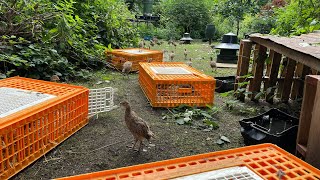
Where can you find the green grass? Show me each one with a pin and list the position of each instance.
(200, 53)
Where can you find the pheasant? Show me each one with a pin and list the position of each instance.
(137, 126)
(126, 68)
(213, 64)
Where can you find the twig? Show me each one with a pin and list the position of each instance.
(96, 149)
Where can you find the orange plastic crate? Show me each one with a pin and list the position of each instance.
(27, 134)
(265, 160)
(170, 84)
(120, 56)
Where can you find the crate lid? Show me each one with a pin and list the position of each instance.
(233, 173)
(14, 100)
(173, 71)
(170, 70)
(136, 51)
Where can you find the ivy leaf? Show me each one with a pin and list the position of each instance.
(206, 115)
(180, 121)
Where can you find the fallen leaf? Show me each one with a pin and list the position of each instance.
(220, 142)
(180, 121)
(225, 139)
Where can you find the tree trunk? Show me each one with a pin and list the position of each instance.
(238, 26)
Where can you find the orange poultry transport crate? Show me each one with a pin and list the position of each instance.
(134, 55)
(170, 84)
(264, 161)
(35, 116)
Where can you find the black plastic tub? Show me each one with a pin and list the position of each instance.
(273, 126)
(224, 84)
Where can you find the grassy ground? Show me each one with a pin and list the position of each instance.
(101, 144)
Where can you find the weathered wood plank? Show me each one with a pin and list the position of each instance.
(272, 72)
(243, 65)
(282, 74)
(306, 112)
(297, 82)
(313, 146)
(306, 71)
(259, 60)
(303, 58)
(288, 80)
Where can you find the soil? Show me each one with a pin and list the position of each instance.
(102, 144)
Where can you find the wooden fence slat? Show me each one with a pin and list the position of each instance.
(275, 59)
(282, 73)
(297, 82)
(288, 80)
(306, 71)
(259, 59)
(243, 65)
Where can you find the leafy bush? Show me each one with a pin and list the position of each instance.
(64, 37)
(297, 18)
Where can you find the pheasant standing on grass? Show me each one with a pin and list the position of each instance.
(185, 53)
(171, 55)
(213, 64)
(189, 63)
(126, 68)
(174, 44)
(137, 126)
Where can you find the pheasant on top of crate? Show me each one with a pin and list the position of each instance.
(134, 55)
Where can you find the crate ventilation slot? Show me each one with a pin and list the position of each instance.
(14, 100)
(234, 173)
(170, 70)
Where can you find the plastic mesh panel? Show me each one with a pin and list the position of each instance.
(14, 100)
(100, 100)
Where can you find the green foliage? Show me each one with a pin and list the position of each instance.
(190, 115)
(40, 38)
(187, 15)
(299, 17)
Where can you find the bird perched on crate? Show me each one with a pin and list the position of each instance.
(185, 53)
(171, 55)
(189, 63)
(126, 68)
(213, 64)
(137, 126)
(54, 78)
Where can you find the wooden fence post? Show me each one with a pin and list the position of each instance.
(259, 59)
(287, 83)
(272, 74)
(243, 65)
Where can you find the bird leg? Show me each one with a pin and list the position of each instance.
(133, 144)
(141, 146)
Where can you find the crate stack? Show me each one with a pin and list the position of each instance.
(35, 116)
